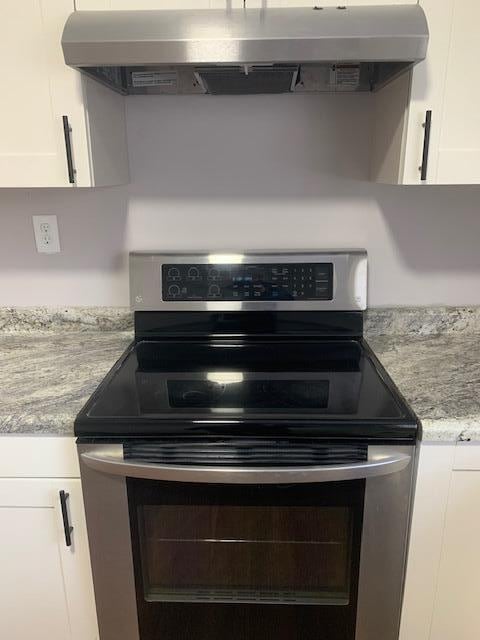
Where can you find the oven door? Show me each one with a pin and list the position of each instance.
(297, 553)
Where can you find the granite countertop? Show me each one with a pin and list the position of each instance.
(439, 375)
(45, 379)
(53, 361)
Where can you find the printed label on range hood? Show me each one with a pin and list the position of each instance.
(154, 79)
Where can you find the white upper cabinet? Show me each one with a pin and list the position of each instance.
(445, 86)
(59, 129)
(38, 90)
(126, 5)
(359, 3)
(459, 118)
(304, 3)
(31, 136)
(220, 4)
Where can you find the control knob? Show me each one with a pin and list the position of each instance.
(193, 273)
(213, 274)
(173, 273)
(213, 290)
(173, 290)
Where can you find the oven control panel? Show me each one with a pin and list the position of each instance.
(276, 281)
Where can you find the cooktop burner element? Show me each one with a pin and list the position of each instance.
(257, 368)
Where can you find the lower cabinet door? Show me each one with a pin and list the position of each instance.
(46, 590)
(456, 614)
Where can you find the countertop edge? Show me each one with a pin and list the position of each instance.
(433, 430)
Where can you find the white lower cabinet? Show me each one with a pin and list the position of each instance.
(46, 589)
(442, 592)
(456, 614)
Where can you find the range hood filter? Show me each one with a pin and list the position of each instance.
(248, 79)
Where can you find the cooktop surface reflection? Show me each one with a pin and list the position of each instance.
(244, 381)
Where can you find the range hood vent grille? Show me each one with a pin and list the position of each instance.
(253, 79)
(246, 51)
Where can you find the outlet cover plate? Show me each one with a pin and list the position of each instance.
(46, 234)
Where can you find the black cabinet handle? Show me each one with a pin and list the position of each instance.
(427, 125)
(66, 523)
(67, 129)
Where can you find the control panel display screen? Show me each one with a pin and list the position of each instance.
(235, 282)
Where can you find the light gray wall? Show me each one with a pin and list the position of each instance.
(245, 173)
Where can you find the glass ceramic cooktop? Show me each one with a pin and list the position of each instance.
(246, 379)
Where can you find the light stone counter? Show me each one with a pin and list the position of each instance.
(52, 360)
(439, 375)
(46, 378)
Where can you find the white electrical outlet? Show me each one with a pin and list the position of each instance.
(46, 234)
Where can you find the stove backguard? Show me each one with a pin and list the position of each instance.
(256, 281)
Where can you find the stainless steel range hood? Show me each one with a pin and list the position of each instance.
(246, 51)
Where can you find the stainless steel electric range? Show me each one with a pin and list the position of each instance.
(247, 465)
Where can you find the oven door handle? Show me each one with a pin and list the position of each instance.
(114, 464)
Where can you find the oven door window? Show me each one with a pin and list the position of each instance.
(292, 551)
(246, 554)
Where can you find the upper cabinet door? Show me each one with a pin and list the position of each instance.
(126, 5)
(459, 120)
(56, 130)
(255, 4)
(427, 94)
(304, 3)
(92, 5)
(32, 145)
(357, 3)
(445, 86)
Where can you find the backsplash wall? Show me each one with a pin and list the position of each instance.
(253, 172)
